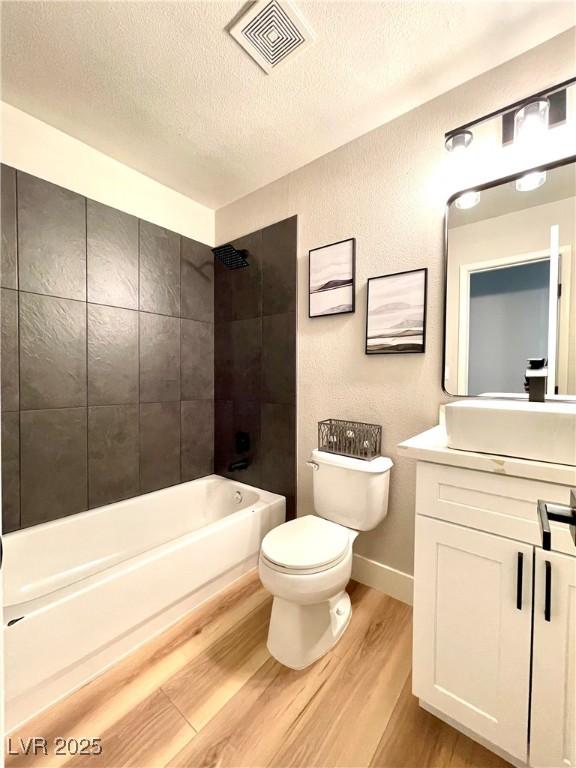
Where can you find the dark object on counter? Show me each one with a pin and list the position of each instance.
(536, 378)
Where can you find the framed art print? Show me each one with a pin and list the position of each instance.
(332, 279)
(396, 313)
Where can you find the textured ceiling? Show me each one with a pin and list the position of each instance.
(163, 88)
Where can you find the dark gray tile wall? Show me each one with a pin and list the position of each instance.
(159, 358)
(197, 294)
(51, 239)
(197, 429)
(107, 354)
(159, 270)
(197, 344)
(112, 355)
(10, 471)
(113, 453)
(9, 262)
(255, 361)
(159, 445)
(10, 369)
(53, 464)
(112, 256)
(52, 352)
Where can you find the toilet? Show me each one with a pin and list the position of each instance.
(307, 562)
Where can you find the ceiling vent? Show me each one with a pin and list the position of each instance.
(272, 31)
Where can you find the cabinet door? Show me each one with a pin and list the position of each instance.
(553, 722)
(472, 630)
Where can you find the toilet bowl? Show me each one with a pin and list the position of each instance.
(306, 563)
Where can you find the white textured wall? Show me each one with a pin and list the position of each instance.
(388, 190)
(37, 148)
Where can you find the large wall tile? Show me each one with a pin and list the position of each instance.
(9, 367)
(239, 291)
(112, 250)
(197, 277)
(51, 239)
(10, 472)
(278, 441)
(159, 270)
(279, 246)
(112, 355)
(278, 358)
(159, 358)
(9, 262)
(159, 445)
(52, 352)
(238, 356)
(197, 424)
(54, 464)
(197, 360)
(113, 453)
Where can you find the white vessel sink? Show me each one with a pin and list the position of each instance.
(538, 431)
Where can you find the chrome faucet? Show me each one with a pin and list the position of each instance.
(536, 378)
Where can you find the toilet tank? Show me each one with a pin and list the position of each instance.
(351, 492)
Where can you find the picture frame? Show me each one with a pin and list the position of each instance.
(332, 279)
(396, 308)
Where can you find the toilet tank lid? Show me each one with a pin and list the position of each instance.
(376, 466)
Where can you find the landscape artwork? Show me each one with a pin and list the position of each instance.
(396, 313)
(332, 279)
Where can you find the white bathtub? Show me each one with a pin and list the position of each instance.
(84, 591)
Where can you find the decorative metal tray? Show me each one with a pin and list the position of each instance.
(350, 438)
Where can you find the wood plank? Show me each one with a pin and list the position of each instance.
(97, 706)
(150, 734)
(363, 690)
(246, 732)
(208, 682)
(414, 738)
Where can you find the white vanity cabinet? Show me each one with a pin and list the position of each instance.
(553, 731)
(493, 655)
(471, 640)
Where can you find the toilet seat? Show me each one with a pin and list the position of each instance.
(307, 544)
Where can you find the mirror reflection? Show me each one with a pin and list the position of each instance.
(511, 285)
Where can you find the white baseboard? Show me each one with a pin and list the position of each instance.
(395, 583)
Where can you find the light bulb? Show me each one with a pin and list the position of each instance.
(457, 142)
(467, 200)
(531, 122)
(530, 181)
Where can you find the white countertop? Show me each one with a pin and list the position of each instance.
(431, 446)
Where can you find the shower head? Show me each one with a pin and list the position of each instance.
(230, 256)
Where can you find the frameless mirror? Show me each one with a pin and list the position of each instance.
(511, 284)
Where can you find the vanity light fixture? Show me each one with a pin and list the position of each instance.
(530, 181)
(467, 200)
(531, 122)
(526, 118)
(457, 142)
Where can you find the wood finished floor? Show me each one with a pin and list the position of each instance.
(208, 693)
